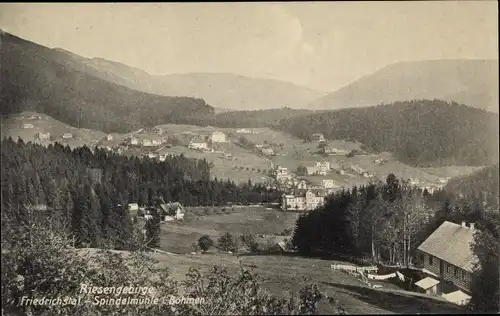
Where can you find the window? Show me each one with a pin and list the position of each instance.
(455, 273)
(448, 268)
(464, 274)
(430, 259)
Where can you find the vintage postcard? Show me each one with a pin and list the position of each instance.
(260, 158)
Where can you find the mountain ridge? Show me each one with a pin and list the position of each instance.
(223, 90)
(35, 77)
(473, 82)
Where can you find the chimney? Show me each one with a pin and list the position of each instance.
(471, 226)
(464, 224)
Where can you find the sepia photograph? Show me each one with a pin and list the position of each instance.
(249, 158)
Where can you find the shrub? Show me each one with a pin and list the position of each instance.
(242, 295)
(205, 242)
(250, 242)
(228, 243)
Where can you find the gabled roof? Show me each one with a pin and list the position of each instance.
(426, 283)
(171, 208)
(451, 242)
(457, 297)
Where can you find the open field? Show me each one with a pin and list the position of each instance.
(179, 236)
(452, 171)
(229, 169)
(12, 126)
(283, 274)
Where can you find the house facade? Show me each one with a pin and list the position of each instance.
(328, 184)
(323, 167)
(43, 136)
(334, 151)
(447, 257)
(67, 136)
(198, 144)
(304, 201)
(133, 141)
(27, 125)
(218, 137)
(267, 151)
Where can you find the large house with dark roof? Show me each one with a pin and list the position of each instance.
(446, 254)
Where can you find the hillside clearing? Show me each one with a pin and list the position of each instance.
(178, 237)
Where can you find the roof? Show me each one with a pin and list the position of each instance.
(171, 207)
(456, 297)
(451, 242)
(426, 283)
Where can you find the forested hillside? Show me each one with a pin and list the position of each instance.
(259, 118)
(482, 184)
(418, 132)
(43, 80)
(91, 190)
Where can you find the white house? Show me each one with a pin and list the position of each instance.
(109, 137)
(243, 131)
(334, 151)
(282, 173)
(43, 136)
(322, 166)
(302, 202)
(133, 141)
(319, 137)
(156, 142)
(267, 151)
(218, 137)
(198, 144)
(147, 142)
(67, 136)
(328, 184)
(27, 125)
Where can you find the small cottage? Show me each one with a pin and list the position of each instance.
(172, 211)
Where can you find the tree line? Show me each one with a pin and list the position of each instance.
(387, 221)
(90, 190)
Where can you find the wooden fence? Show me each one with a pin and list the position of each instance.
(353, 268)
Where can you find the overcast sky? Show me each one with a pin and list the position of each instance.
(322, 45)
